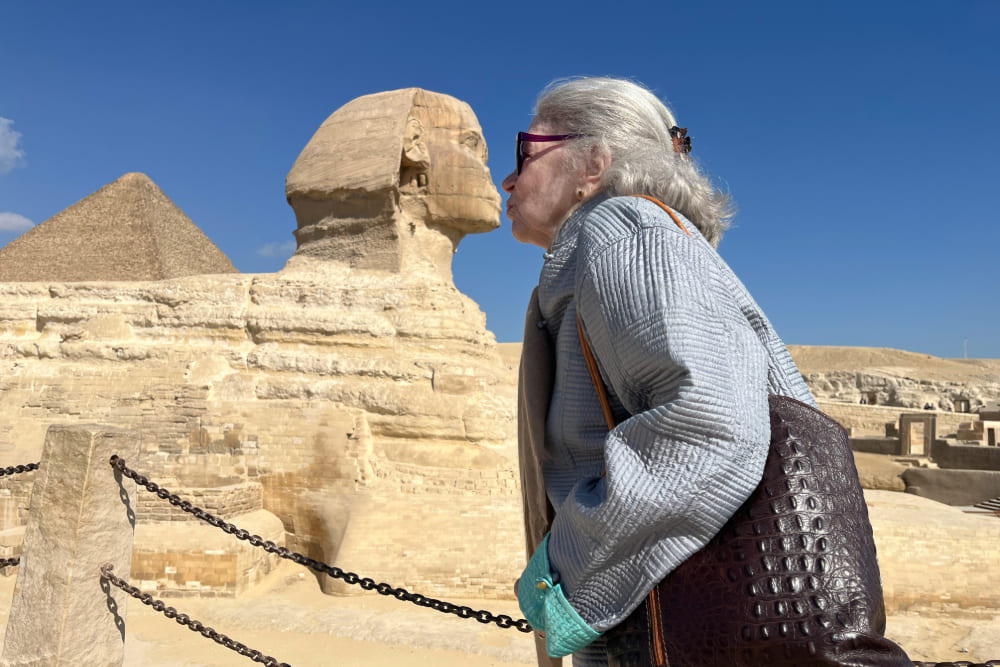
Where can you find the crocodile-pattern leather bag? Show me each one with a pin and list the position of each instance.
(791, 579)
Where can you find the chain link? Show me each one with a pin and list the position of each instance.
(7, 562)
(188, 622)
(13, 470)
(483, 616)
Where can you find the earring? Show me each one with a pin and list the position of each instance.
(579, 194)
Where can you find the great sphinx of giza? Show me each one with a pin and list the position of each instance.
(349, 405)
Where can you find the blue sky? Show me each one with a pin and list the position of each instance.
(858, 139)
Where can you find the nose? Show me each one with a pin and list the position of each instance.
(508, 183)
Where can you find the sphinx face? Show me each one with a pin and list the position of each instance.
(447, 165)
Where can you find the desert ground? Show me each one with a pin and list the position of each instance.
(289, 618)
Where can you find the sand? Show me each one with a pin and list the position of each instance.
(287, 617)
(290, 619)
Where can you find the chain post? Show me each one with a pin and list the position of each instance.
(80, 515)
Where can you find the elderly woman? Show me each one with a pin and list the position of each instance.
(687, 357)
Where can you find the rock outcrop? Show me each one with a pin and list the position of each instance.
(897, 378)
(356, 395)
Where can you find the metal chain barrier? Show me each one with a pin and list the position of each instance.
(13, 470)
(187, 621)
(483, 616)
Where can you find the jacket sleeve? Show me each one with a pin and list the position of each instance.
(689, 376)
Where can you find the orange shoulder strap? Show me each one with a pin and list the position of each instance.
(595, 376)
(670, 212)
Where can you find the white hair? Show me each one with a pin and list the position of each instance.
(632, 126)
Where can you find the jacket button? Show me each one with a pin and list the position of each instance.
(542, 324)
(542, 585)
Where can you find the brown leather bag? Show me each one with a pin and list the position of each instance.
(791, 579)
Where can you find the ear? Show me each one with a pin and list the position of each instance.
(415, 160)
(598, 161)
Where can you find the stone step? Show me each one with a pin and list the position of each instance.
(181, 559)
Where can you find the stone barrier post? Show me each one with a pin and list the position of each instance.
(81, 516)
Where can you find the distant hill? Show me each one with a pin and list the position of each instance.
(873, 361)
(823, 359)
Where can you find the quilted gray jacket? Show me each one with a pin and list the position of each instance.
(689, 359)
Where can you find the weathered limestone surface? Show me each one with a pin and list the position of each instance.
(81, 516)
(359, 377)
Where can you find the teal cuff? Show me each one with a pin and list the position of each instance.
(545, 606)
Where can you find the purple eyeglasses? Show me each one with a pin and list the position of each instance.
(524, 136)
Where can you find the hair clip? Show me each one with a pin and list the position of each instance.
(682, 142)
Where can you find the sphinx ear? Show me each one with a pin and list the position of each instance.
(416, 159)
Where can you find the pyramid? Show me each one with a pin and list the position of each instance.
(127, 230)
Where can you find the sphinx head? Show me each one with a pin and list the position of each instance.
(392, 182)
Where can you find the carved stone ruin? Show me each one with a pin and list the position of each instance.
(983, 432)
(926, 425)
(348, 405)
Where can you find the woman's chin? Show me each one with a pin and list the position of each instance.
(517, 231)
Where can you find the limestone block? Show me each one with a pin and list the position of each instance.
(12, 292)
(207, 369)
(195, 559)
(81, 517)
(320, 326)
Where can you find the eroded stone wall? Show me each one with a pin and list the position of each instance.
(302, 396)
